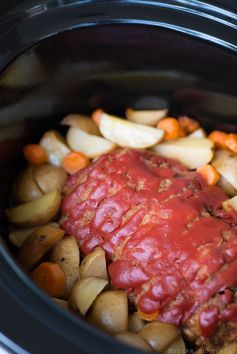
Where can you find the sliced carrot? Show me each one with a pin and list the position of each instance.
(74, 161)
(209, 173)
(231, 142)
(50, 278)
(148, 316)
(35, 154)
(218, 138)
(189, 125)
(172, 128)
(96, 116)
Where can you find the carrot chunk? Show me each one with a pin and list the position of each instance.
(189, 125)
(50, 278)
(74, 161)
(172, 128)
(35, 154)
(218, 138)
(209, 173)
(231, 142)
(148, 316)
(96, 116)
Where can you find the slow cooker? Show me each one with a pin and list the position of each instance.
(61, 56)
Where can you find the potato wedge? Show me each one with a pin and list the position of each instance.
(177, 346)
(19, 236)
(55, 147)
(159, 335)
(90, 145)
(94, 264)
(66, 254)
(225, 163)
(49, 177)
(198, 134)
(192, 152)
(110, 311)
(128, 134)
(230, 203)
(37, 212)
(84, 293)
(146, 117)
(61, 302)
(228, 349)
(42, 240)
(226, 187)
(135, 323)
(82, 122)
(133, 340)
(25, 189)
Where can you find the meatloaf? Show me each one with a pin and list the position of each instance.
(168, 241)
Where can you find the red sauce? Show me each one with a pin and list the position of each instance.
(173, 248)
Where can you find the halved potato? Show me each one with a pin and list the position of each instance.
(198, 134)
(82, 122)
(54, 146)
(84, 293)
(110, 311)
(230, 203)
(177, 346)
(159, 335)
(128, 134)
(90, 145)
(192, 152)
(94, 264)
(135, 323)
(49, 177)
(146, 117)
(25, 189)
(134, 340)
(61, 302)
(42, 240)
(37, 212)
(66, 254)
(225, 163)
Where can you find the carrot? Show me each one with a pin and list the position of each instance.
(50, 278)
(148, 316)
(172, 128)
(74, 161)
(209, 173)
(189, 125)
(218, 138)
(96, 116)
(35, 154)
(231, 142)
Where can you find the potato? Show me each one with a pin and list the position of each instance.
(60, 302)
(66, 254)
(49, 177)
(84, 293)
(90, 145)
(230, 203)
(19, 236)
(135, 323)
(159, 335)
(198, 133)
(25, 189)
(146, 117)
(110, 312)
(94, 264)
(176, 347)
(37, 212)
(82, 122)
(225, 163)
(226, 187)
(128, 134)
(54, 146)
(228, 349)
(133, 340)
(42, 240)
(192, 152)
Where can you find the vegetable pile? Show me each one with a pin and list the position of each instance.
(104, 235)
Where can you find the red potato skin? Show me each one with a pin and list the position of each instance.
(171, 245)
